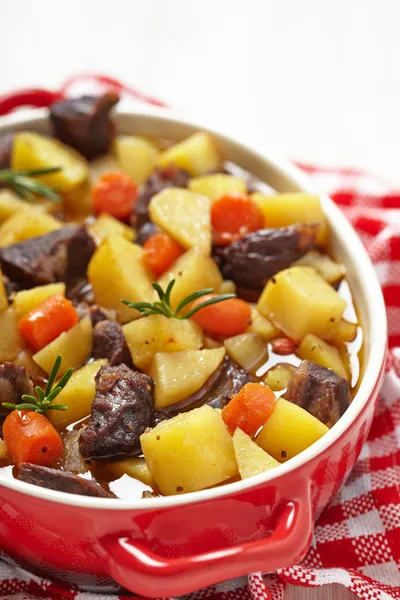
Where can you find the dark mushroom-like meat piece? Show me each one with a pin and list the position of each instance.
(84, 123)
(14, 382)
(109, 342)
(320, 391)
(61, 481)
(121, 410)
(256, 257)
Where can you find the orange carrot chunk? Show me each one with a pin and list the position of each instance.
(30, 437)
(47, 321)
(160, 251)
(114, 193)
(229, 317)
(234, 215)
(250, 408)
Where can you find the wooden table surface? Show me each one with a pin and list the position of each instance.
(329, 592)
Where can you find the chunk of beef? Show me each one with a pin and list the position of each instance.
(146, 231)
(252, 260)
(98, 313)
(161, 179)
(227, 381)
(61, 481)
(62, 255)
(14, 382)
(84, 123)
(121, 411)
(319, 391)
(6, 144)
(109, 342)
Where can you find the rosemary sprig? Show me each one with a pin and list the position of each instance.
(24, 184)
(164, 306)
(41, 403)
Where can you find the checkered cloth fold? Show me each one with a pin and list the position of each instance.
(357, 538)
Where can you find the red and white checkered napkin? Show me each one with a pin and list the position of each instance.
(357, 538)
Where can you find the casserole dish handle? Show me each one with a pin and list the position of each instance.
(134, 566)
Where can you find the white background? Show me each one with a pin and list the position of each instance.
(315, 80)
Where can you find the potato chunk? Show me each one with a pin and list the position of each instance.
(299, 301)
(248, 350)
(35, 151)
(178, 375)
(185, 216)
(261, 325)
(27, 223)
(278, 377)
(251, 459)
(287, 209)
(193, 271)
(10, 203)
(78, 395)
(317, 351)
(289, 430)
(116, 271)
(156, 333)
(197, 155)
(189, 452)
(27, 300)
(3, 294)
(217, 185)
(11, 342)
(346, 332)
(134, 467)
(75, 347)
(106, 225)
(136, 156)
(330, 270)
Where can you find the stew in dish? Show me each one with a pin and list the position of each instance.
(168, 323)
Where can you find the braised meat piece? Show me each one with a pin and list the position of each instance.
(14, 382)
(109, 342)
(161, 179)
(121, 411)
(98, 314)
(227, 381)
(146, 231)
(319, 391)
(252, 260)
(62, 255)
(84, 123)
(6, 144)
(61, 481)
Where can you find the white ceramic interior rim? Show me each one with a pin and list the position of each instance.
(349, 246)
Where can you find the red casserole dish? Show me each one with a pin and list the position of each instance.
(173, 545)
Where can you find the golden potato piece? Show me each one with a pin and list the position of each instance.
(11, 342)
(27, 300)
(3, 294)
(278, 377)
(316, 350)
(330, 270)
(217, 185)
(134, 467)
(78, 395)
(136, 156)
(289, 430)
(75, 347)
(251, 459)
(287, 209)
(189, 452)
(27, 223)
(299, 301)
(346, 332)
(105, 225)
(248, 350)
(35, 151)
(193, 271)
(116, 271)
(261, 325)
(178, 375)
(197, 155)
(185, 216)
(10, 203)
(156, 333)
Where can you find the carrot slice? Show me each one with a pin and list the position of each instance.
(47, 321)
(160, 252)
(250, 408)
(234, 215)
(114, 193)
(229, 317)
(30, 437)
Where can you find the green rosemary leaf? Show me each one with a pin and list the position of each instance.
(207, 303)
(65, 378)
(8, 405)
(167, 295)
(53, 374)
(53, 394)
(192, 297)
(159, 290)
(29, 398)
(27, 406)
(39, 393)
(24, 185)
(57, 407)
(21, 191)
